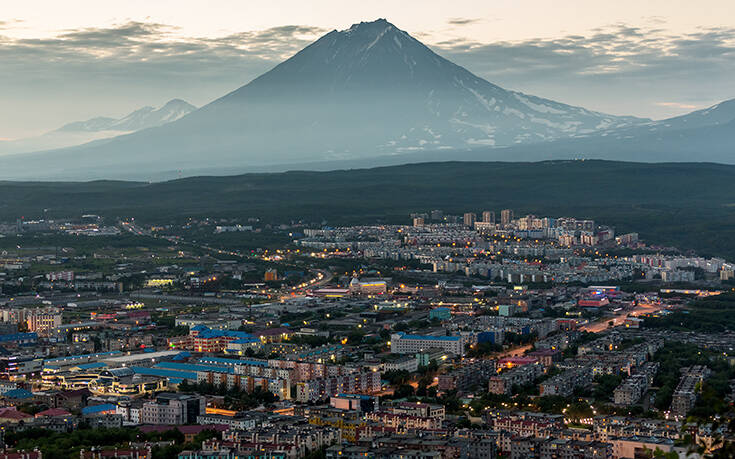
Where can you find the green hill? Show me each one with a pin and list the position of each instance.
(689, 205)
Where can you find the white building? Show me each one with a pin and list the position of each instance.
(401, 343)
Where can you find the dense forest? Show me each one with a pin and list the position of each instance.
(707, 315)
(687, 205)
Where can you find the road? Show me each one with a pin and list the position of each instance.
(619, 318)
(594, 327)
(321, 276)
(514, 351)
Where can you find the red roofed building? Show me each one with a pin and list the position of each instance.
(593, 302)
(53, 413)
(20, 455)
(12, 415)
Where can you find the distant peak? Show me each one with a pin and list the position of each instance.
(141, 118)
(378, 24)
(177, 103)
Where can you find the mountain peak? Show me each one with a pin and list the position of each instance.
(178, 103)
(366, 57)
(141, 118)
(370, 33)
(376, 25)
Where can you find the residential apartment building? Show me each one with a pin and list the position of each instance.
(402, 343)
(172, 409)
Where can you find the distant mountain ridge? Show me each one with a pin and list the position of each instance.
(101, 127)
(718, 114)
(368, 95)
(142, 118)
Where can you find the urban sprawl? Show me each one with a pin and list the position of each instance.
(480, 335)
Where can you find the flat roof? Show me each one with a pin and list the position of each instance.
(190, 367)
(166, 373)
(142, 356)
(429, 337)
(225, 361)
(83, 356)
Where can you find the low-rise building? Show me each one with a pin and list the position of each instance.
(686, 391)
(518, 376)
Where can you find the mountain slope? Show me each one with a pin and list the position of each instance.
(705, 135)
(366, 91)
(722, 113)
(80, 132)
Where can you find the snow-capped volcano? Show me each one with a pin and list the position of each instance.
(362, 92)
(387, 92)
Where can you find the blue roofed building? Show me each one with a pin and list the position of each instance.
(105, 408)
(181, 356)
(20, 339)
(89, 366)
(194, 367)
(173, 376)
(18, 394)
(80, 359)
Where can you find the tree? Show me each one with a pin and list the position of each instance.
(397, 377)
(400, 326)
(403, 391)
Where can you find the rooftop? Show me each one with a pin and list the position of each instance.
(429, 337)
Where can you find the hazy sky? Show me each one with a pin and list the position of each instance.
(68, 60)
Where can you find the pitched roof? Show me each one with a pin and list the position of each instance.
(18, 393)
(51, 412)
(98, 408)
(14, 414)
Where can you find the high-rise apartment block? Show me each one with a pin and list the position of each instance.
(506, 216)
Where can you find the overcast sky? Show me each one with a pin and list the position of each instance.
(72, 60)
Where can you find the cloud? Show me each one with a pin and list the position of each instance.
(642, 65)
(143, 42)
(10, 23)
(146, 52)
(463, 21)
(618, 51)
(86, 72)
(677, 105)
